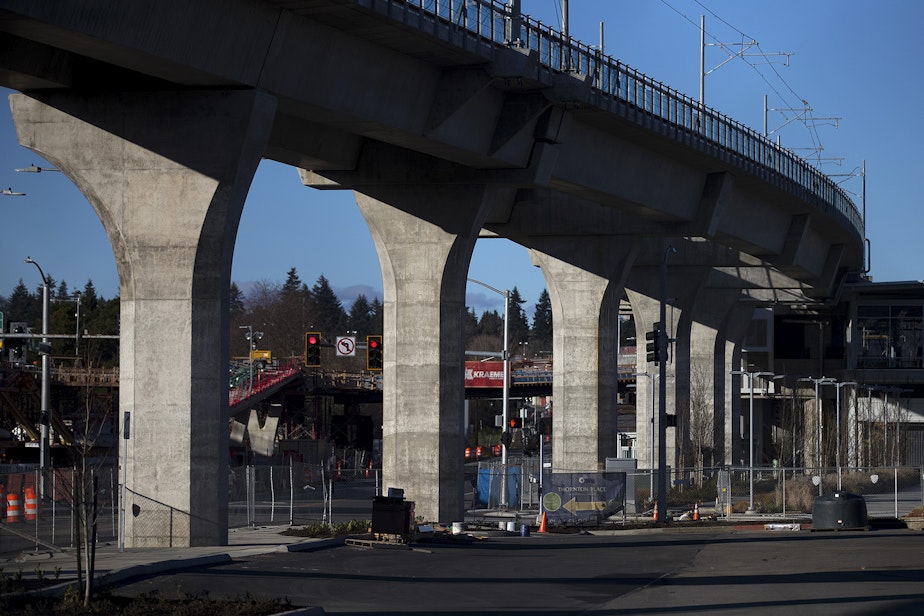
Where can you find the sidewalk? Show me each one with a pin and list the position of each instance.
(114, 566)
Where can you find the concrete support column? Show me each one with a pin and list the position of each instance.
(167, 174)
(645, 312)
(424, 252)
(729, 443)
(585, 313)
(705, 393)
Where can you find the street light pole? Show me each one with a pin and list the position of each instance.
(751, 376)
(504, 500)
(77, 331)
(45, 350)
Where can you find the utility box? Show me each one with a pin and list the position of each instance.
(839, 511)
(392, 516)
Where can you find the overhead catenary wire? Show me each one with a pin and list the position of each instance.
(805, 117)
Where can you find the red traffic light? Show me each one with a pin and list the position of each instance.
(374, 358)
(312, 339)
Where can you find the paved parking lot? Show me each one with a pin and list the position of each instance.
(679, 571)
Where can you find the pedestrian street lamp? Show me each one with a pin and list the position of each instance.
(751, 376)
(45, 351)
(818, 417)
(504, 501)
(837, 454)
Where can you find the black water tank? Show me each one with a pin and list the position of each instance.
(839, 511)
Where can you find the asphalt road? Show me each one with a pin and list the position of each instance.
(677, 571)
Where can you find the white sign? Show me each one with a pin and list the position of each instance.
(346, 346)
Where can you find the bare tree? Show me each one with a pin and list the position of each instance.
(701, 418)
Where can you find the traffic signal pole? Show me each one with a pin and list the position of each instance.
(661, 504)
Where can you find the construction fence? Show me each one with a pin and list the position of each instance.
(889, 491)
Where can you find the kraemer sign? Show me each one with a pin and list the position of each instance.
(484, 374)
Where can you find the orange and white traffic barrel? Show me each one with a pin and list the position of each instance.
(31, 505)
(13, 512)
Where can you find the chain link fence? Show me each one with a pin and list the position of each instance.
(30, 521)
(300, 494)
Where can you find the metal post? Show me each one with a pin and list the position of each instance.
(662, 392)
(504, 501)
(751, 376)
(702, 59)
(125, 434)
(77, 331)
(46, 383)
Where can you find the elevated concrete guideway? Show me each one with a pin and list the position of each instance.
(447, 130)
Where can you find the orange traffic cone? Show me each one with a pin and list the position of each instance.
(544, 524)
(695, 511)
(654, 512)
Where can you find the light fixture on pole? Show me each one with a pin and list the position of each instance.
(45, 351)
(252, 338)
(504, 501)
(35, 169)
(818, 416)
(751, 376)
(77, 296)
(837, 455)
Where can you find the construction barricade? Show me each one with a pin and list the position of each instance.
(13, 511)
(32, 506)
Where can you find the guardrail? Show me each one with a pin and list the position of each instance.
(486, 24)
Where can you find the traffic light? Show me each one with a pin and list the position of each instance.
(514, 422)
(374, 353)
(313, 349)
(18, 346)
(653, 346)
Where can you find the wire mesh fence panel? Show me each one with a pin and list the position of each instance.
(32, 521)
(299, 494)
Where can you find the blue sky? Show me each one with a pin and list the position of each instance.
(850, 61)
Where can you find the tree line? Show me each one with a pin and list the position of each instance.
(282, 313)
(97, 316)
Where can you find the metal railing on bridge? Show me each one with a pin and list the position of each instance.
(480, 25)
(259, 381)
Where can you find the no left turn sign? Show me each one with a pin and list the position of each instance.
(346, 346)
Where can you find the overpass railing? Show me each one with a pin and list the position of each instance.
(488, 24)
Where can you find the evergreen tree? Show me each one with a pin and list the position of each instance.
(377, 311)
(293, 285)
(541, 338)
(491, 324)
(518, 329)
(359, 319)
(236, 302)
(328, 313)
(22, 305)
(470, 321)
(90, 301)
